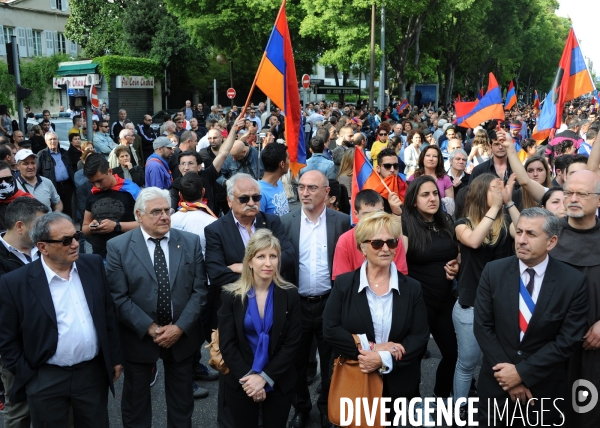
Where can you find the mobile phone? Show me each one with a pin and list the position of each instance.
(94, 225)
(262, 135)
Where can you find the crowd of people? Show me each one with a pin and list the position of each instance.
(484, 240)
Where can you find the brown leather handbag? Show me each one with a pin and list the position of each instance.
(216, 359)
(348, 381)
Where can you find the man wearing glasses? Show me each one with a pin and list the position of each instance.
(60, 334)
(314, 231)
(103, 143)
(252, 117)
(158, 283)
(226, 241)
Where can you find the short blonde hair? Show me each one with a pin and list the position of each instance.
(371, 223)
(261, 239)
(86, 144)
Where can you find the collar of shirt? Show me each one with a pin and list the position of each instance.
(364, 281)
(147, 236)
(238, 224)
(33, 253)
(50, 274)
(321, 218)
(539, 269)
(449, 172)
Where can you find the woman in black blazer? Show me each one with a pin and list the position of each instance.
(259, 335)
(400, 334)
(126, 170)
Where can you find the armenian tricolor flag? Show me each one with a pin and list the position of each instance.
(536, 100)
(489, 107)
(511, 97)
(276, 77)
(402, 106)
(572, 80)
(365, 177)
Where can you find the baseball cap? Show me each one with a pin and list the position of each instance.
(426, 132)
(163, 142)
(442, 122)
(23, 154)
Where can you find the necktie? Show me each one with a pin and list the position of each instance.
(163, 304)
(529, 287)
(28, 257)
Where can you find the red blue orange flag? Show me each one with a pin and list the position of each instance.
(402, 106)
(276, 78)
(572, 80)
(365, 177)
(489, 107)
(480, 94)
(511, 97)
(536, 100)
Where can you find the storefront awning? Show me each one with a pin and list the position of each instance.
(77, 69)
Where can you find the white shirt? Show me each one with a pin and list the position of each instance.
(314, 278)
(540, 270)
(202, 143)
(34, 254)
(193, 221)
(381, 308)
(77, 338)
(243, 231)
(164, 244)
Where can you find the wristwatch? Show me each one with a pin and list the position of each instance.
(383, 369)
(117, 227)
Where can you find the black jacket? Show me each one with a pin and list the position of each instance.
(283, 344)
(137, 174)
(8, 261)
(29, 336)
(45, 165)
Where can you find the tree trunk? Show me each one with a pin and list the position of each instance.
(449, 83)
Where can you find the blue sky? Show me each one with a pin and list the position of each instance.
(584, 15)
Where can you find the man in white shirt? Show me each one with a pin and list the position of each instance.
(314, 231)
(60, 338)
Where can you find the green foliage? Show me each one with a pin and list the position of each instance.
(36, 74)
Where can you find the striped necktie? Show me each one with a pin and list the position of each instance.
(526, 304)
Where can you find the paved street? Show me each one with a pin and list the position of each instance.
(205, 411)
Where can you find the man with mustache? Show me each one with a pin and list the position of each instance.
(226, 241)
(578, 246)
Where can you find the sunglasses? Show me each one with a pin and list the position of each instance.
(7, 180)
(382, 134)
(66, 241)
(389, 166)
(377, 244)
(246, 199)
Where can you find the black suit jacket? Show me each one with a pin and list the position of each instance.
(337, 224)
(224, 247)
(8, 261)
(347, 312)
(283, 344)
(555, 330)
(29, 334)
(137, 174)
(134, 288)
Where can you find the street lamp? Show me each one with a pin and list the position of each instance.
(222, 59)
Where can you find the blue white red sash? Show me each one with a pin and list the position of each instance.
(526, 308)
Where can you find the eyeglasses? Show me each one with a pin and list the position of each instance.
(66, 241)
(158, 212)
(190, 164)
(312, 188)
(377, 244)
(382, 134)
(246, 199)
(579, 195)
(7, 180)
(390, 166)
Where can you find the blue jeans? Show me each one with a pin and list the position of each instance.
(468, 350)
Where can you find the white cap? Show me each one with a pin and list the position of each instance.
(24, 154)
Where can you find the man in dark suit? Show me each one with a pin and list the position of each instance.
(314, 231)
(530, 316)
(226, 241)
(59, 335)
(158, 283)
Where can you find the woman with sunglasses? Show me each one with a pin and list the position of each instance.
(484, 235)
(383, 307)
(381, 142)
(413, 151)
(260, 328)
(431, 163)
(432, 260)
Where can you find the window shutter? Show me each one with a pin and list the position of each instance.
(73, 48)
(2, 42)
(53, 4)
(22, 42)
(49, 43)
(30, 42)
(65, 5)
(56, 45)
